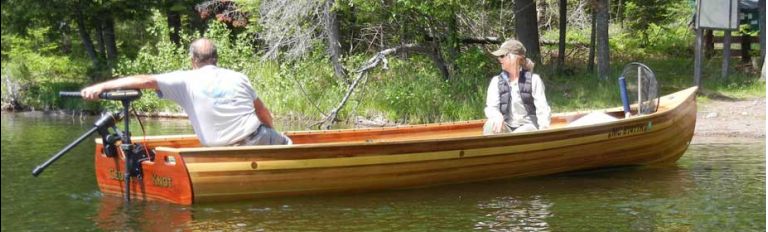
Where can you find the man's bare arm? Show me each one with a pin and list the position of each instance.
(132, 82)
(263, 113)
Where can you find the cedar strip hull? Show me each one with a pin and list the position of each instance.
(360, 160)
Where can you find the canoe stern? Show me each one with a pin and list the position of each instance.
(165, 178)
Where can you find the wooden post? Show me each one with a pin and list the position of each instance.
(761, 3)
(697, 58)
(726, 54)
(746, 47)
(709, 43)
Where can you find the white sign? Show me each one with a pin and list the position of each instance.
(717, 14)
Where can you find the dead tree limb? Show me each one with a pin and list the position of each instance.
(362, 72)
(472, 40)
(497, 40)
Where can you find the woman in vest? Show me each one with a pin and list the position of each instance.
(515, 100)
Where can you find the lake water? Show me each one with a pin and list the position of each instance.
(713, 187)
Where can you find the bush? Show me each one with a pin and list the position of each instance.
(33, 64)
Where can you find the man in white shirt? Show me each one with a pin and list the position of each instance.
(221, 104)
(516, 101)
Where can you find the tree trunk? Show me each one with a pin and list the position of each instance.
(174, 26)
(85, 37)
(697, 50)
(452, 45)
(440, 63)
(591, 58)
(196, 24)
(726, 53)
(352, 28)
(109, 38)
(527, 28)
(66, 39)
(620, 14)
(101, 49)
(333, 38)
(601, 32)
(761, 3)
(563, 28)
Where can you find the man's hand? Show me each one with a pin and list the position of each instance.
(92, 92)
(498, 124)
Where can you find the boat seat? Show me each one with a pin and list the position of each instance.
(592, 118)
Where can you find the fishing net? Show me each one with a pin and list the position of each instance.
(642, 88)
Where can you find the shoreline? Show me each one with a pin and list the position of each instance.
(722, 121)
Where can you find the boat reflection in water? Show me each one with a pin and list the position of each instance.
(117, 215)
(626, 198)
(515, 214)
(631, 198)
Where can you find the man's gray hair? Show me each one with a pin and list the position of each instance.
(203, 52)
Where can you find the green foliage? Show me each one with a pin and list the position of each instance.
(410, 91)
(32, 63)
(159, 57)
(645, 17)
(655, 41)
(642, 13)
(738, 84)
(235, 51)
(673, 41)
(303, 89)
(581, 92)
(19, 16)
(413, 91)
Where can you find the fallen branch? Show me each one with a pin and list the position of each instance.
(473, 40)
(481, 40)
(379, 58)
(497, 40)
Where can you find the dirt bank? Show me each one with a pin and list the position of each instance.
(726, 120)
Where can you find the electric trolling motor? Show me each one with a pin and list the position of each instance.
(134, 153)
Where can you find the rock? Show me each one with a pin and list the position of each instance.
(375, 122)
(711, 115)
(744, 113)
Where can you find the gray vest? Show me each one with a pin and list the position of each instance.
(526, 89)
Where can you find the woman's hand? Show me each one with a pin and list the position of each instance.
(498, 124)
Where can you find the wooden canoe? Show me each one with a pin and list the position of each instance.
(357, 160)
